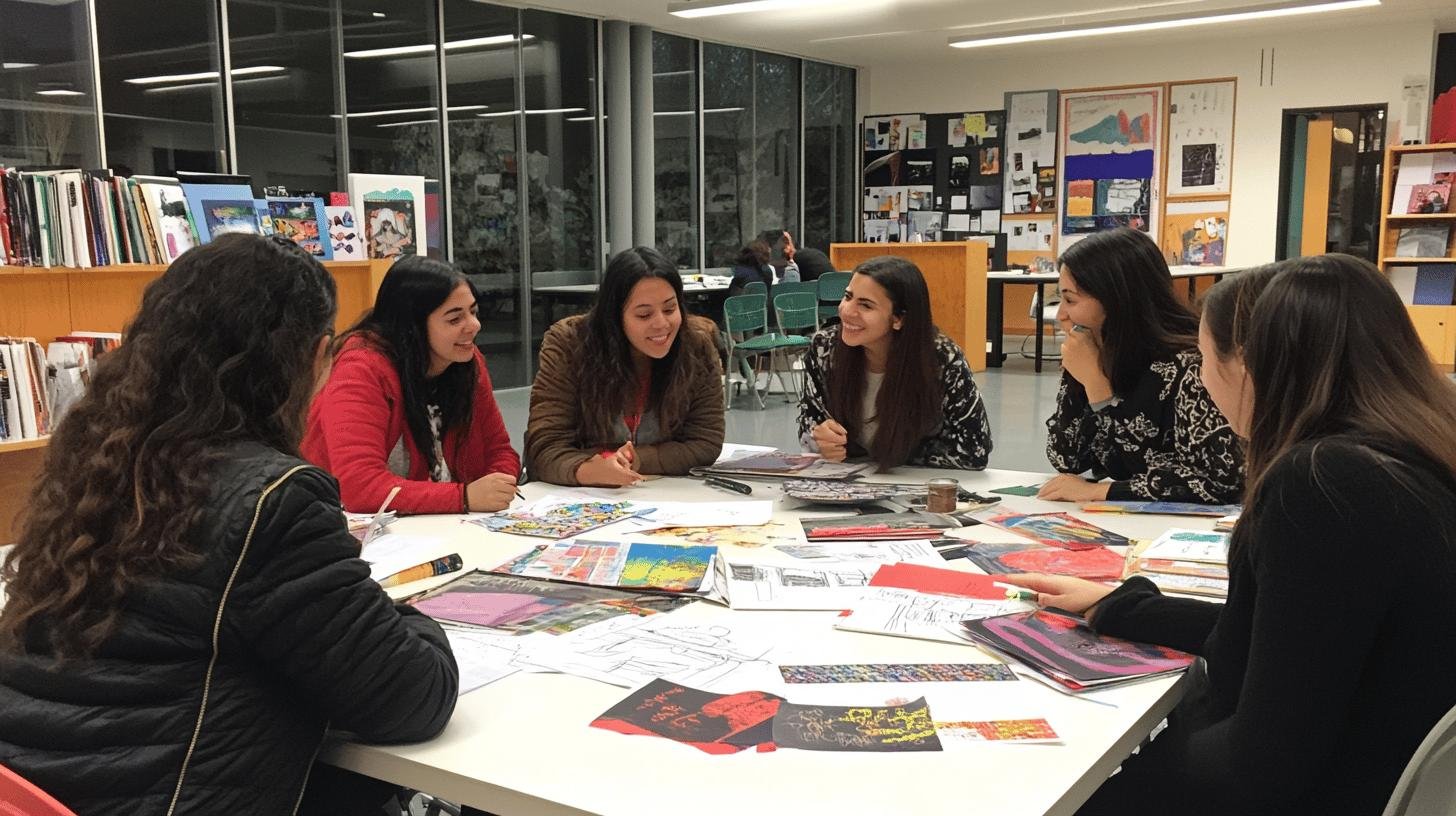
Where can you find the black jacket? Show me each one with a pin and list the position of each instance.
(216, 689)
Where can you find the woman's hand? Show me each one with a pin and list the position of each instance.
(1076, 595)
(491, 492)
(1082, 358)
(1070, 487)
(831, 439)
(610, 471)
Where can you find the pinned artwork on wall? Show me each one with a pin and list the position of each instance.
(1111, 160)
(1200, 137)
(1031, 152)
(1195, 233)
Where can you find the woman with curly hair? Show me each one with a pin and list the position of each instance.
(187, 612)
(631, 388)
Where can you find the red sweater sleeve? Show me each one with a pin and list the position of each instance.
(354, 423)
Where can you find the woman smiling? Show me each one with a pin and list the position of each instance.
(633, 387)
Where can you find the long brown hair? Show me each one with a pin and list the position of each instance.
(1126, 272)
(909, 405)
(220, 351)
(1330, 349)
(607, 372)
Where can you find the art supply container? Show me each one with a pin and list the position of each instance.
(941, 495)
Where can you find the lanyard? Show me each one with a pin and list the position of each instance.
(634, 420)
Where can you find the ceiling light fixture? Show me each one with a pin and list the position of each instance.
(12, 65)
(400, 111)
(210, 85)
(59, 92)
(157, 80)
(714, 8)
(453, 45)
(1264, 12)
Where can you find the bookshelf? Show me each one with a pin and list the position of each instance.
(47, 302)
(1436, 325)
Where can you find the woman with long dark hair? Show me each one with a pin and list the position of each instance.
(885, 383)
(409, 402)
(187, 611)
(1131, 407)
(752, 266)
(633, 387)
(1334, 653)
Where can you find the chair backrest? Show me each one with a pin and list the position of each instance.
(812, 287)
(1426, 788)
(745, 313)
(831, 286)
(755, 288)
(797, 310)
(20, 798)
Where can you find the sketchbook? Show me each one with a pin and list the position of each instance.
(1162, 508)
(782, 465)
(1057, 530)
(518, 606)
(1064, 649)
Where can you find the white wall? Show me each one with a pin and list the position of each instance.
(1314, 67)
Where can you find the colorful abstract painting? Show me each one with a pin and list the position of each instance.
(712, 723)
(1111, 159)
(897, 673)
(1195, 233)
(908, 727)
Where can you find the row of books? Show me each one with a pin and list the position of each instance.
(1423, 184)
(37, 386)
(85, 218)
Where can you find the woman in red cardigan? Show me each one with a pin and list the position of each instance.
(409, 402)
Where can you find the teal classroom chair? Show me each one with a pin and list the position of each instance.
(745, 322)
(831, 288)
(796, 312)
(755, 288)
(812, 287)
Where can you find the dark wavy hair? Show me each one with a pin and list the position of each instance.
(1126, 272)
(220, 352)
(910, 403)
(755, 253)
(607, 372)
(414, 287)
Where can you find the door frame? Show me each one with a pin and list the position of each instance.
(1286, 161)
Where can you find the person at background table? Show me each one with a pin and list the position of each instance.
(1341, 568)
(187, 611)
(630, 388)
(812, 263)
(1131, 406)
(752, 266)
(885, 383)
(409, 402)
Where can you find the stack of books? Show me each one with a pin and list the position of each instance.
(1192, 562)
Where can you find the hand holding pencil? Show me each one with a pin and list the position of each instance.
(831, 439)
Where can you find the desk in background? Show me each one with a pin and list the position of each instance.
(704, 291)
(522, 746)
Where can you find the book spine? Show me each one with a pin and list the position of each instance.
(9, 429)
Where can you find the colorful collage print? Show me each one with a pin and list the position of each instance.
(521, 606)
(897, 673)
(562, 521)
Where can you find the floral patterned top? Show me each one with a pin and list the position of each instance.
(1164, 441)
(962, 440)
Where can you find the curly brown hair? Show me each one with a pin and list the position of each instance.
(220, 352)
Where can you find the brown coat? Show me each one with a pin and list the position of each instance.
(555, 443)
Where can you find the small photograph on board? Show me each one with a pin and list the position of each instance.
(920, 172)
(1423, 242)
(1200, 164)
(960, 173)
(920, 198)
(986, 197)
(990, 161)
(1427, 199)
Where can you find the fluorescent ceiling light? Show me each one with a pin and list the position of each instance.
(1283, 10)
(195, 85)
(156, 80)
(453, 45)
(497, 113)
(59, 92)
(714, 8)
(378, 14)
(410, 122)
(13, 65)
(402, 111)
(531, 112)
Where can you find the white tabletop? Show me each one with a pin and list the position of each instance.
(690, 284)
(522, 745)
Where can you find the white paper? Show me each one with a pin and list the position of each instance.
(1189, 545)
(769, 586)
(906, 613)
(958, 222)
(389, 553)
(628, 651)
(484, 657)
(885, 552)
(1444, 162)
(990, 221)
(1416, 168)
(959, 202)
(697, 514)
(733, 449)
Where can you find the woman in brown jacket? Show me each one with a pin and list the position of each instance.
(632, 387)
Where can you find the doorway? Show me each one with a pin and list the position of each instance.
(1331, 162)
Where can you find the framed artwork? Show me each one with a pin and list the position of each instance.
(1111, 160)
(1200, 137)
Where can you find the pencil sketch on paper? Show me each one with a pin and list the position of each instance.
(634, 653)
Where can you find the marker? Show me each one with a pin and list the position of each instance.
(440, 566)
(1021, 595)
(728, 484)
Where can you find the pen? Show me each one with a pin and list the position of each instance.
(1021, 595)
(728, 484)
(394, 491)
(440, 566)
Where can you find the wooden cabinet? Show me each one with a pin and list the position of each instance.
(1436, 324)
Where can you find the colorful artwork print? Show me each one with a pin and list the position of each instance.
(1065, 648)
(712, 723)
(1058, 530)
(895, 728)
(1429, 199)
(663, 567)
(667, 567)
(1095, 564)
(1111, 139)
(990, 161)
(561, 521)
(761, 535)
(1195, 236)
(344, 235)
(389, 224)
(298, 220)
(897, 673)
(230, 216)
(1164, 508)
(997, 731)
(518, 606)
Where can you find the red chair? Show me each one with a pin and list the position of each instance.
(20, 798)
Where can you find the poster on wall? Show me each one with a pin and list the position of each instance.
(1195, 233)
(1111, 160)
(898, 132)
(1200, 137)
(932, 176)
(1031, 152)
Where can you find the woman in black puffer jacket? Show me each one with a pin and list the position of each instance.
(187, 613)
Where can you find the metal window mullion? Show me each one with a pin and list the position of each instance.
(96, 84)
(801, 129)
(699, 194)
(599, 161)
(230, 136)
(446, 243)
(752, 147)
(341, 100)
(523, 190)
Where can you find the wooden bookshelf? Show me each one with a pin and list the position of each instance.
(48, 302)
(1436, 324)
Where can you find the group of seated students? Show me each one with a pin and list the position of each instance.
(187, 614)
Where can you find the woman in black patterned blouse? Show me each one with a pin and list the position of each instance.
(1131, 406)
(885, 383)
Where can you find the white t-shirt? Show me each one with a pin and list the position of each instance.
(869, 418)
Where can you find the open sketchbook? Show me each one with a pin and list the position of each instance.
(781, 465)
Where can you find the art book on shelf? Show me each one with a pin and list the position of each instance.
(1435, 284)
(1427, 199)
(218, 209)
(1423, 242)
(302, 221)
(166, 219)
(392, 212)
(344, 234)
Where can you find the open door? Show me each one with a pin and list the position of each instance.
(1331, 163)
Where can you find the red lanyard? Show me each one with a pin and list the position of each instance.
(634, 420)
